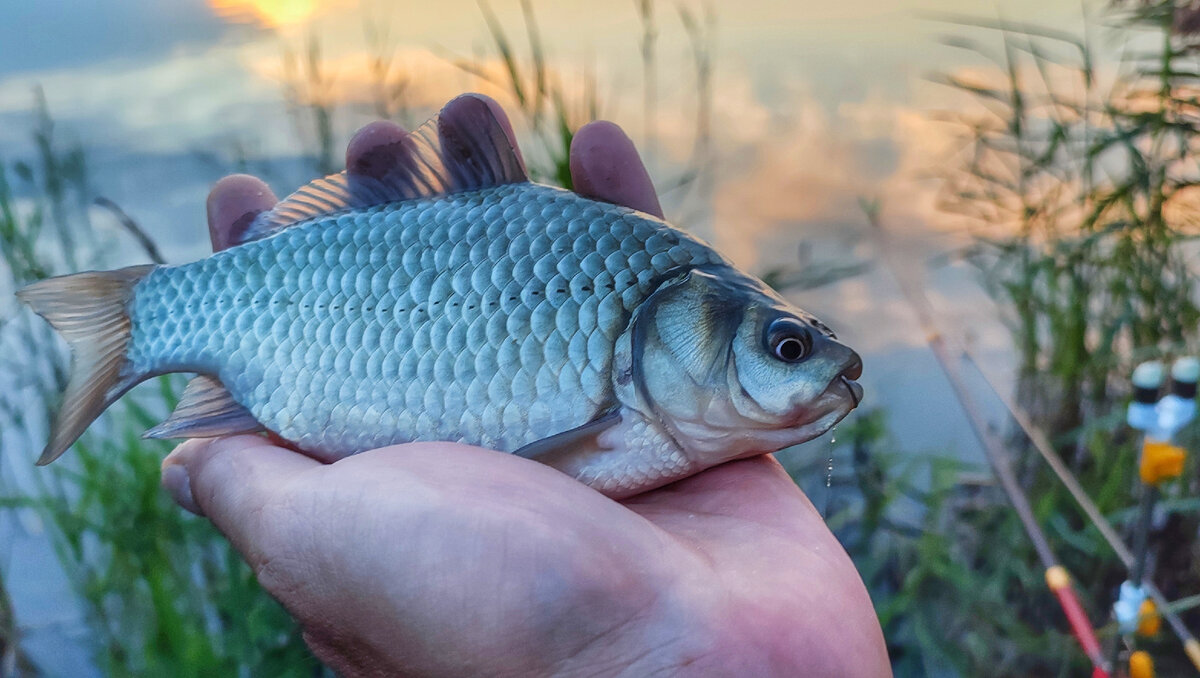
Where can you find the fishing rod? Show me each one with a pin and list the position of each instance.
(1161, 607)
(1041, 443)
(1057, 578)
(1160, 460)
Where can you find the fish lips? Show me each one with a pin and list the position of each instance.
(855, 389)
(841, 396)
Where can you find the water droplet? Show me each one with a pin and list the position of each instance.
(829, 474)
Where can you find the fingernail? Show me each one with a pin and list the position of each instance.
(176, 482)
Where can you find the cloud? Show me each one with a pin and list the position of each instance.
(273, 13)
(799, 168)
(53, 34)
(355, 80)
(789, 161)
(171, 104)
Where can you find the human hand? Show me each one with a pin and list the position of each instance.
(445, 559)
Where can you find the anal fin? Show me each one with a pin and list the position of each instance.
(206, 410)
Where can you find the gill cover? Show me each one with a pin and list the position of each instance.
(677, 345)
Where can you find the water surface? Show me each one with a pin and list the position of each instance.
(815, 105)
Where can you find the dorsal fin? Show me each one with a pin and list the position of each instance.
(463, 148)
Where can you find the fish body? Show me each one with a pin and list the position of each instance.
(452, 299)
(487, 317)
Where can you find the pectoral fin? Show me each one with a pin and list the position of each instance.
(619, 454)
(580, 441)
(206, 410)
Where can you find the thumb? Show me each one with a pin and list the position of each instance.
(237, 483)
(605, 165)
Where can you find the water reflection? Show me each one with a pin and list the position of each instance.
(272, 13)
(797, 142)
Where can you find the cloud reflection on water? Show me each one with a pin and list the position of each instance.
(273, 13)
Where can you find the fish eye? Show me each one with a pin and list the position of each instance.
(788, 340)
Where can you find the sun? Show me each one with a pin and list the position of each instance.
(272, 13)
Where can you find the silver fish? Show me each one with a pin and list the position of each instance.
(452, 299)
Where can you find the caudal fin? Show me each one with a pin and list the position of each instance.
(90, 311)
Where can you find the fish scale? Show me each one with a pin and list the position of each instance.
(494, 351)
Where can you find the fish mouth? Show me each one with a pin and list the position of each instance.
(848, 378)
(841, 396)
(855, 389)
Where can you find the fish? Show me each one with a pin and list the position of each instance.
(450, 298)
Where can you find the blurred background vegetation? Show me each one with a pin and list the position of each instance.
(1078, 188)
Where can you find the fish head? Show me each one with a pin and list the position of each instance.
(731, 369)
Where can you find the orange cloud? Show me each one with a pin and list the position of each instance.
(269, 13)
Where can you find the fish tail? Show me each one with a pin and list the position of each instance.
(90, 311)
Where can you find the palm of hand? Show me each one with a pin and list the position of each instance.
(443, 559)
(435, 557)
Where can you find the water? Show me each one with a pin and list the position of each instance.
(829, 474)
(815, 105)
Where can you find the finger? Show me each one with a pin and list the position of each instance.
(454, 110)
(375, 148)
(233, 204)
(233, 481)
(382, 145)
(605, 165)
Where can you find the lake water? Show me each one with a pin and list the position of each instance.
(814, 106)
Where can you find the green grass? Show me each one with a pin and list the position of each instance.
(948, 568)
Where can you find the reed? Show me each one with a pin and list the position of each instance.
(13, 661)
(390, 83)
(308, 88)
(538, 94)
(1079, 186)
